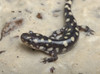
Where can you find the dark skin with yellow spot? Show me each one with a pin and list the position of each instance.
(59, 41)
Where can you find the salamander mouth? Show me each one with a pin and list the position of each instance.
(22, 40)
(30, 45)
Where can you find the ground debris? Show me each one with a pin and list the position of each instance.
(2, 51)
(52, 69)
(39, 16)
(10, 26)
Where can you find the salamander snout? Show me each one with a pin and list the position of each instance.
(24, 36)
(29, 40)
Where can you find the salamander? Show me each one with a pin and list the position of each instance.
(60, 40)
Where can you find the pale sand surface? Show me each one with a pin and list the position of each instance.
(84, 58)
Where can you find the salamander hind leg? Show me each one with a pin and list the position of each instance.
(87, 30)
(53, 57)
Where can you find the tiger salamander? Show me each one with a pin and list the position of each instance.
(60, 40)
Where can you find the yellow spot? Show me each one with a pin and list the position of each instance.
(57, 50)
(69, 2)
(76, 33)
(49, 40)
(28, 37)
(74, 20)
(72, 24)
(31, 46)
(42, 39)
(70, 13)
(66, 6)
(37, 34)
(65, 37)
(59, 36)
(49, 49)
(58, 31)
(52, 37)
(72, 38)
(69, 29)
(68, 33)
(67, 20)
(47, 44)
(41, 47)
(65, 14)
(76, 29)
(35, 40)
(65, 43)
(63, 28)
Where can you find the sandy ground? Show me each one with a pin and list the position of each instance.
(84, 58)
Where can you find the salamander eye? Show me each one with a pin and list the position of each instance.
(30, 32)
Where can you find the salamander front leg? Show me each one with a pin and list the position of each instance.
(53, 58)
(86, 29)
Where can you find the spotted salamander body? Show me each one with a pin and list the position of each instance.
(59, 42)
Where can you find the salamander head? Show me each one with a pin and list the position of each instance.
(30, 39)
